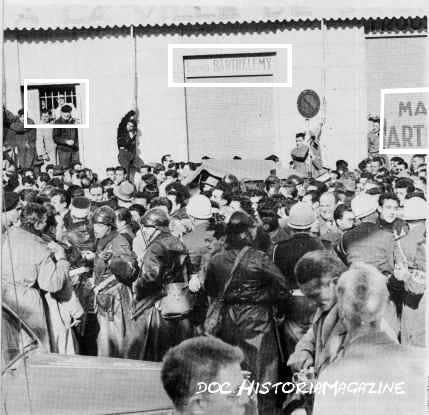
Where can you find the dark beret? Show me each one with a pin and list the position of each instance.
(66, 108)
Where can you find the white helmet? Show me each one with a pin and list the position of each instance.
(199, 207)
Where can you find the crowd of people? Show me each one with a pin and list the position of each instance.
(28, 147)
(134, 263)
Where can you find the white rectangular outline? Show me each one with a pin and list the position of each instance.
(172, 84)
(56, 81)
(397, 151)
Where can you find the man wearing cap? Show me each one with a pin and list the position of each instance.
(124, 194)
(66, 139)
(58, 110)
(10, 214)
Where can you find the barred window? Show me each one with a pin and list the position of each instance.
(49, 96)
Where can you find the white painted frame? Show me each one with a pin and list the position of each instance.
(220, 46)
(396, 151)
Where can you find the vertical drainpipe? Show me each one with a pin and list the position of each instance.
(135, 82)
(323, 28)
(3, 80)
(134, 66)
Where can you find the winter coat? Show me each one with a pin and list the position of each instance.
(372, 361)
(256, 288)
(61, 135)
(32, 275)
(25, 141)
(368, 242)
(79, 237)
(199, 245)
(152, 334)
(324, 338)
(288, 252)
(113, 280)
(413, 319)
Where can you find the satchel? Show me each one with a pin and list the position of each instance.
(178, 301)
(215, 313)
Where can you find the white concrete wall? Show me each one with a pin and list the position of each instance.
(105, 58)
(344, 135)
(99, 56)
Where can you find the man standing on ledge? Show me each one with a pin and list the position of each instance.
(66, 139)
(307, 155)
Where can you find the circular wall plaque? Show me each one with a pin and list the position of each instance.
(308, 103)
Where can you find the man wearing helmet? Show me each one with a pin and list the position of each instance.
(163, 264)
(115, 269)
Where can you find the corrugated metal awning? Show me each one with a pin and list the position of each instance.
(49, 14)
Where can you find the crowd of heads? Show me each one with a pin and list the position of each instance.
(342, 196)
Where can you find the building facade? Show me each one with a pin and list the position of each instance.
(346, 58)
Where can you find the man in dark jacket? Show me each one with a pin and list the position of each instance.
(373, 243)
(162, 266)
(127, 145)
(286, 255)
(66, 139)
(25, 141)
(114, 272)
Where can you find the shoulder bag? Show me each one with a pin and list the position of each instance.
(178, 300)
(215, 313)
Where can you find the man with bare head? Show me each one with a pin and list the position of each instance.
(380, 375)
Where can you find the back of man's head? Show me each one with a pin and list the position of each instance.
(362, 295)
(316, 264)
(194, 361)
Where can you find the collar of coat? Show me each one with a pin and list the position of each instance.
(105, 240)
(333, 313)
(368, 338)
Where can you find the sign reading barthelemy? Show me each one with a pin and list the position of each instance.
(225, 66)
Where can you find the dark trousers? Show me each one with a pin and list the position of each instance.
(65, 159)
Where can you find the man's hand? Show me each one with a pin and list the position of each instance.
(105, 255)
(300, 360)
(194, 283)
(88, 255)
(70, 142)
(58, 250)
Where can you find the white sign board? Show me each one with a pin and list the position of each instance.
(404, 121)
